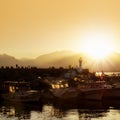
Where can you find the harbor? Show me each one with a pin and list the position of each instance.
(74, 84)
(60, 60)
(73, 93)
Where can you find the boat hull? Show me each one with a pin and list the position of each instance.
(112, 93)
(27, 96)
(93, 94)
(66, 94)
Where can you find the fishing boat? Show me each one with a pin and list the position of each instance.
(20, 92)
(61, 91)
(113, 93)
(92, 94)
(82, 85)
(22, 96)
(86, 91)
(65, 93)
(93, 90)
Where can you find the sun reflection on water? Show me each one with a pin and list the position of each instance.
(51, 112)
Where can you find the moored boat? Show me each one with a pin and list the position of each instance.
(19, 92)
(93, 90)
(61, 91)
(66, 93)
(113, 93)
(93, 94)
(22, 96)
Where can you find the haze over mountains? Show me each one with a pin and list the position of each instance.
(64, 59)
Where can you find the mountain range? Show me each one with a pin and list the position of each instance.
(65, 59)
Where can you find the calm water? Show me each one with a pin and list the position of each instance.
(84, 110)
(111, 73)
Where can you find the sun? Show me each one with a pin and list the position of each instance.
(97, 50)
(98, 46)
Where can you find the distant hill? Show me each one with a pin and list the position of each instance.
(58, 59)
(65, 59)
(6, 60)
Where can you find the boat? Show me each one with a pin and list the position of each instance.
(20, 92)
(65, 93)
(93, 90)
(82, 85)
(22, 96)
(61, 91)
(113, 93)
(93, 94)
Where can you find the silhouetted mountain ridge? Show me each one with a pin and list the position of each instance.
(64, 59)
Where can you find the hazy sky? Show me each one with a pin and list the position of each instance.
(29, 28)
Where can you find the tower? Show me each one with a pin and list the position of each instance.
(80, 65)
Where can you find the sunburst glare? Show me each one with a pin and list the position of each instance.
(97, 45)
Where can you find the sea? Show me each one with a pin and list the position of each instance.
(83, 110)
(112, 73)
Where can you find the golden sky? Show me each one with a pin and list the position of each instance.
(29, 28)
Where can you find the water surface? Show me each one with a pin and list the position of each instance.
(84, 110)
